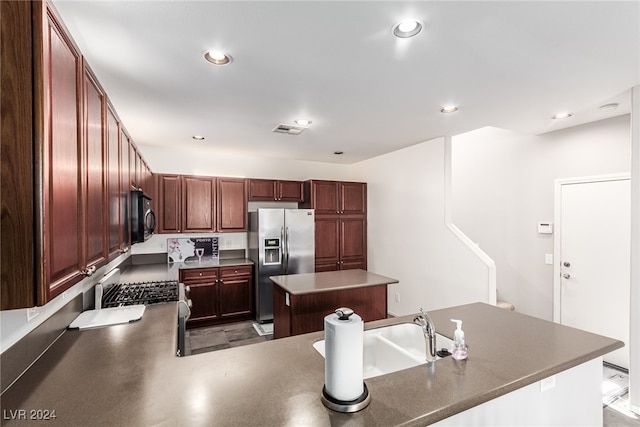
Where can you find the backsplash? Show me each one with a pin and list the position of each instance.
(158, 242)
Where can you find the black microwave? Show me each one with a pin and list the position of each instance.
(143, 219)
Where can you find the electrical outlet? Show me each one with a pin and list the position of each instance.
(397, 297)
(32, 313)
(548, 383)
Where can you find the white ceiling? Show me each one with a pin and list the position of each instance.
(509, 64)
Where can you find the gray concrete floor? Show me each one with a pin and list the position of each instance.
(618, 415)
(203, 340)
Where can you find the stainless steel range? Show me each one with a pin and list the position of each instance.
(154, 292)
(110, 293)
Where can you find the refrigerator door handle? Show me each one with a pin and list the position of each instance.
(283, 255)
(286, 239)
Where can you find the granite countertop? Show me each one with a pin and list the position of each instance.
(165, 271)
(312, 283)
(128, 375)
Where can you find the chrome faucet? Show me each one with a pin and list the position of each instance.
(429, 332)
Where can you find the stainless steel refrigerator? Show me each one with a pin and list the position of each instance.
(281, 241)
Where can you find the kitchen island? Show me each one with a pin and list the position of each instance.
(301, 301)
(128, 375)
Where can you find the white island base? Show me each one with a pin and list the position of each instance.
(570, 398)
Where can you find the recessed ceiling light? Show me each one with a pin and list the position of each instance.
(302, 122)
(218, 57)
(198, 137)
(449, 109)
(563, 115)
(608, 107)
(407, 28)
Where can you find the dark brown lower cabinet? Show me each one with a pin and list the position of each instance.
(302, 314)
(219, 294)
(236, 297)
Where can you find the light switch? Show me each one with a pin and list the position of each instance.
(545, 228)
(548, 259)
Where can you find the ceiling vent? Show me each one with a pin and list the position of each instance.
(289, 129)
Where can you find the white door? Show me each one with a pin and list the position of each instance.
(594, 267)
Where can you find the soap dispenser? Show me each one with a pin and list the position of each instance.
(459, 351)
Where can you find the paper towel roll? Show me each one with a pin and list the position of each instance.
(343, 378)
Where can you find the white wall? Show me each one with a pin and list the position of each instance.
(503, 185)
(634, 346)
(15, 324)
(407, 236)
(208, 162)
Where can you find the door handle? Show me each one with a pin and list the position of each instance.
(566, 276)
(287, 247)
(566, 264)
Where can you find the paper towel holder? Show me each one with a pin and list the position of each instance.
(346, 406)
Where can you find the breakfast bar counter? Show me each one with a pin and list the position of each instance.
(128, 375)
(329, 281)
(301, 301)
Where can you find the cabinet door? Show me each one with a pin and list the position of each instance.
(327, 238)
(125, 191)
(95, 172)
(198, 198)
(232, 204)
(113, 181)
(61, 161)
(235, 291)
(147, 186)
(17, 182)
(353, 240)
(204, 297)
(262, 190)
(139, 170)
(203, 293)
(168, 207)
(290, 191)
(327, 266)
(353, 198)
(354, 264)
(324, 197)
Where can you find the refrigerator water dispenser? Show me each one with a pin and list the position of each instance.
(272, 255)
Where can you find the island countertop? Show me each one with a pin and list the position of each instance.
(328, 281)
(128, 375)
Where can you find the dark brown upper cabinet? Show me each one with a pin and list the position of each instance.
(63, 194)
(275, 190)
(189, 203)
(198, 204)
(336, 197)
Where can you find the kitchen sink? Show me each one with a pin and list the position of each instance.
(393, 348)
